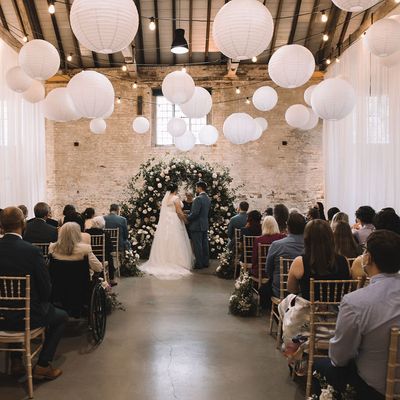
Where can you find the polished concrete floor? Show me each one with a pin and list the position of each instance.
(175, 341)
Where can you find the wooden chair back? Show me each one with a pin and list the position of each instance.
(351, 260)
(284, 266)
(262, 258)
(44, 247)
(248, 244)
(98, 243)
(114, 235)
(393, 367)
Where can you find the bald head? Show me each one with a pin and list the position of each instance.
(12, 220)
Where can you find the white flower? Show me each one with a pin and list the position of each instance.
(228, 214)
(148, 236)
(167, 178)
(159, 185)
(140, 208)
(151, 173)
(149, 209)
(191, 166)
(327, 394)
(137, 256)
(151, 199)
(162, 174)
(150, 188)
(200, 175)
(173, 166)
(144, 211)
(214, 175)
(221, 241)
(140, 247)
(157, 180)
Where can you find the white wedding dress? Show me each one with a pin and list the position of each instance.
(171, 255)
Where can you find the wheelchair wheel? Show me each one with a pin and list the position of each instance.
(98, 313)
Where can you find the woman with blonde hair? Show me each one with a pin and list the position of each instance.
(69, 247)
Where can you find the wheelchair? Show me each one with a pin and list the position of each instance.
(79, 295)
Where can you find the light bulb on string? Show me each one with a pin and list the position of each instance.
(52, 8)
(118, 100)
(237, 90)
(337, 60)
(247, 100)
(152, 24)
(25, 39)
(325, 37)
(397, 1)
(327, 61)
(69, 58)
(254, 59)
(134, 85)
(184, 69)
(324, 17)
(124, 68)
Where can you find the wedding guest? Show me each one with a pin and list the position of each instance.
(69, 208)
(114, 220)
(187, 203)
(269, 211)
(50, 219)
(69, 246)
(253, 224)
(37, 230)
(358, 353)
(294, 210)
(281, 214)
(345, 244)
(364, 223)
(88, 216)
(319, 260)
(331, 212)
(237, 222)
(340, 216)
(313, 214)
(24, 210)
(321, 210)
(76, 217)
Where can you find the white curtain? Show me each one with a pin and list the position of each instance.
(22, 143)
(362, 151)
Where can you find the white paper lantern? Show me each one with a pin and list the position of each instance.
(262, 122)
(98, 126)
(333, 99)
(176, 127)
(17, 80)
(265, 98)
(199, 104)
(297, 115)
(391, 61)
(312, 120)
(92, 93)
(35, 93)
(208, 135)
(355, 5)
(58, 106)
(39, 59)
(291, 66)
(185, 142)
(308, 93)
(239, 128)
(178, 87)
(141, 125)
(242, 29)
(109, 112)
(257, 133)
(383, 37)
(104, 26)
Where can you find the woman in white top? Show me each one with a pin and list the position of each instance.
(69, 247)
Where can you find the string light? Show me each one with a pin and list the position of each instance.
(254, 59)
(25, 39)
(183, 69)
(324, 17)
(328, 61)
(152, 24)
(124, 68)
(69, 58)
(52, 8)
(238, 90)
(397, 1)
(247, 100)
(134, 85)
(337, 60)
(119, 100)
(325, 37)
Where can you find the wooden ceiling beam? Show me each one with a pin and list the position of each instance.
(58, 38)
(174, 27)
(207, 48)
(75, 40)
(95, 60)
(294, 22)
(313, 16)
(9, 38)
(344, 30)
(276, 28)
(22, 19)
(140, 34)
(158, 50)
(3, 19)
(325, 47)
(33, 19)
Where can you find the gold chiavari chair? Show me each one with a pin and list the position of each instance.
(262, 250)
(325, 297)
(44, 247)
(98, 243)
(237, 251)
(15, 297)
(393, 367)
(248, 244)
(114, 235)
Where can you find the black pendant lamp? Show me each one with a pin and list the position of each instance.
(179, 44)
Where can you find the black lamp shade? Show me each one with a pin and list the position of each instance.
(179, 45)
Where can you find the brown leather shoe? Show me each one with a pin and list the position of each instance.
(47, 373)
(17, 367)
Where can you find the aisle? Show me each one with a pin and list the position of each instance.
(175, 341)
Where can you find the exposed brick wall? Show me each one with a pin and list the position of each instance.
(97, 171)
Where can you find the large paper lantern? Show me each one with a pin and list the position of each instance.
(208, 135)
(17, 80)
(39, 59)
(257, 133)
(291, 66)
(109, 112)
(35, 93)
(312, 120)
(265, 98)
(58, 106)
(199, 104)
(333, 99)
(178, 87)
(297, 116)
(104, 26)
(262, 122)
(141, 125)
(98, 126)
(242, 29)
(185, 142)
(383, 37)
(92, 93)
(176, 127)
(355, 5)
(308, 93)
(239, 128)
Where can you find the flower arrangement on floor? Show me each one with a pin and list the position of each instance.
(148, 187)
(329, 393)
(112, 302)
(225, 269)
(242, 300)
(128, 266)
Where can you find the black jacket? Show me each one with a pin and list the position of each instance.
(20, 258)
(38, 231)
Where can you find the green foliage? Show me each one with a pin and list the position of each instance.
(225, 269)
(242, 300)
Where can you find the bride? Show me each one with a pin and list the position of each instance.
(171, 255)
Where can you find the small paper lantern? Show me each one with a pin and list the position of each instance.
(257, 132)
(39, 59)
(333, 99)
(17, 80)
(297, 116)
(291, 66)
(176, 127)
(354, 5)
(141, 125)
(239, 128)
(265, 98)
(178, 87)
(308, 93)
(383, 37)
(242, 29)
(35, 93)
(58, 106)
(208, 135)
(104, 26)
(185, 142)
(199, 104)
(312, 120)
(92, 93)
(391, 61)
(98, 126)
(262, 122)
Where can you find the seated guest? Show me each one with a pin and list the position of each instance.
(24, 210)
(37, 231)
(345, 244)
(69, 208)
(319, 260)
(363, 227)
(270, 233)
(281, 215)
(74, 216)
(312, 214)
(113, 221)
(290, 247)
(294, 210)
(269, 212)
(331, 212)
(321, 210)
(237, 222)
(340, 216)
(359, 350)
(187, 203)
(252, 228)
(19, 258)
(88, 216)
(50, 219)
(70, 247)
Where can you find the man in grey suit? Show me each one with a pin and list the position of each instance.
(198, 226)
(113, 221)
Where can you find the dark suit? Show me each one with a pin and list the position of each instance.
(198, 227)
(38, 231)
(114, 221)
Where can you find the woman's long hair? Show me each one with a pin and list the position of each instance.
(69, 236)
(345, 244)
(270, 226)
(281, 214)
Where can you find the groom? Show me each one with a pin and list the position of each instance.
(198, 225)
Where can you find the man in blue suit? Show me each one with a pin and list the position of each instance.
(113, 221)
(198, 226)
